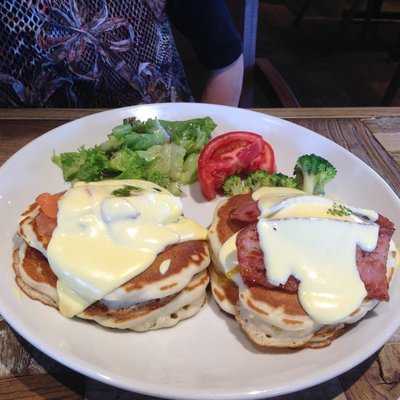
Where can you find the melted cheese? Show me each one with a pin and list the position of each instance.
(102, 241)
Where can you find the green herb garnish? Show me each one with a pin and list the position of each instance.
(126, 191)
(339, 210)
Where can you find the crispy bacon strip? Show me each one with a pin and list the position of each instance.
(247, 212)
(372, 265)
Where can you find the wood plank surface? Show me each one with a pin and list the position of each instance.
(371, 134)
(68, 114)
(387, 131)
(351, 133)
(39, 387)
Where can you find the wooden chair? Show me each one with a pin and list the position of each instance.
(392, 88)
(372, 11)
(260, 66)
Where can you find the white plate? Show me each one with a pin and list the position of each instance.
(206, 356)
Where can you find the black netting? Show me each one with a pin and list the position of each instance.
(87, 53)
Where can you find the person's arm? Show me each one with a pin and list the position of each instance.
(209, 27)
(224, 85)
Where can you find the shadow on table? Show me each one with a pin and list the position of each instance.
(332, 389)
(47, 378)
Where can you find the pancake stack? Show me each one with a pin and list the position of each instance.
(171, 289)
(270, 317)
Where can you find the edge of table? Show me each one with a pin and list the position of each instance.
(310, 112)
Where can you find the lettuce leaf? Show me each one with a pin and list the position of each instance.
(139, 136)
(164, 181)
(164, 152)
(128, 164)
(192, 134)
(166, 159)
(82, 165)
(189, 170)
(132, 140)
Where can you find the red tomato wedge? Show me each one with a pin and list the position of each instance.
(49, 203)
(230, 154)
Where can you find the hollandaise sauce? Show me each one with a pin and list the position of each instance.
(228, 258)
(300, 236)
(321, 254)
(107, 235)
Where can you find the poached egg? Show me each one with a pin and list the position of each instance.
(107, 233)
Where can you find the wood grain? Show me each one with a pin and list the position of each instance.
(331, 390)
(387, 131)
(352, 135)
(368, 385)
(16, 133)
(389, 362)
(68, 114)
(42, 114)
(15, 358)
(41, 387)
(371, 134)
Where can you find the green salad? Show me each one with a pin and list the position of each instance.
(163, 152)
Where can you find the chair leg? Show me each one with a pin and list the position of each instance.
(299, 17)
(394, 52)
(280, 87)
(350, 14)
(373, 10)
(392, 88)
(250, 20)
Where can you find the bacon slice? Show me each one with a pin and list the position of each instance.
(371, 265)
(46, 220)
(247, 212)
(49, 203)
(251, 261)
(45, 225)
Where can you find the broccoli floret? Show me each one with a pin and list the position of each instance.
(234, 185)
(261, 178)
(258, 179)
(313, 172)
(255, 180)
(282, 180)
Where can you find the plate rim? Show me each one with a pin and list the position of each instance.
(74, 363)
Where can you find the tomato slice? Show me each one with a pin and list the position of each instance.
(232, 153)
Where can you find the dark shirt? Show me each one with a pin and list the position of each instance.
(209, 27)
(106, 53)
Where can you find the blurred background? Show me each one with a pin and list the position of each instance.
(317, 53)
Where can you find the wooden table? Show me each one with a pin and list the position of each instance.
(373, 134)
